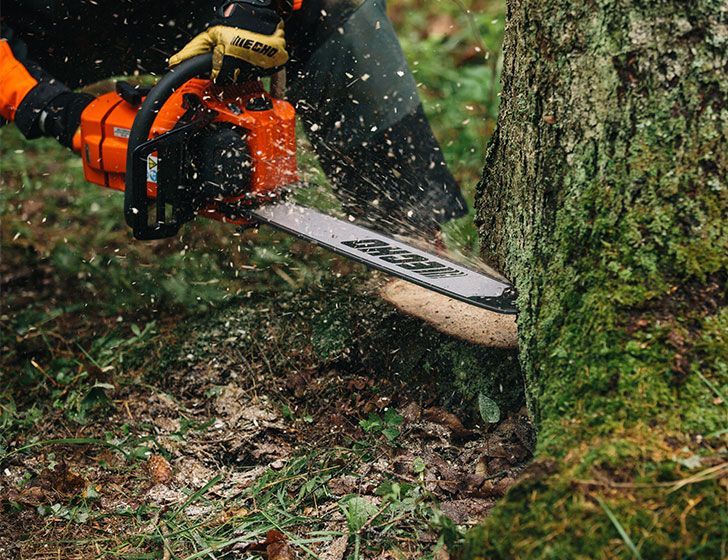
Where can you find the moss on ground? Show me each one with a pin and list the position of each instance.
(561, 509)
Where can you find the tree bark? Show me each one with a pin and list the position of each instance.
(604, 199)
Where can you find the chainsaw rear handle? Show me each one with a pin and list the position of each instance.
(138, 148)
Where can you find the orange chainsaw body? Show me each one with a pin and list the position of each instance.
(270, 136)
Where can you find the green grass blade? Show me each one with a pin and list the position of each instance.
(194, 497)
(69, 441)
(620, 530)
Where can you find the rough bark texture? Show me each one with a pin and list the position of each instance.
(604, 199)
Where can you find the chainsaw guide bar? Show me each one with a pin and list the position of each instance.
(389, 255)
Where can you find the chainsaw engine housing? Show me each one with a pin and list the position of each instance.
(211, 151)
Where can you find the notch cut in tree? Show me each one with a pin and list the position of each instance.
(604, 199)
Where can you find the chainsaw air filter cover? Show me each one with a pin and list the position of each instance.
(220, 162)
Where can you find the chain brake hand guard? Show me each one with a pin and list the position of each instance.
(174, 204)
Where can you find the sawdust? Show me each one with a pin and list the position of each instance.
(452, 317)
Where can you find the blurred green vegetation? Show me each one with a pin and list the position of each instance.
(454, 50)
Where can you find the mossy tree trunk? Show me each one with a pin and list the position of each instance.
(604, 199)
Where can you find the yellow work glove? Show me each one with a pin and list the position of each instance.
(246, 40)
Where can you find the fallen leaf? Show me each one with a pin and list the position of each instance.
(411, 412)
(493, 488)
(239, 481)
(273, 544)
(492, 464)
(359, 384)
(343, 485)
(300, 383)
(62, 480)
(164, 495)
(228, 514)
(271, 451)
(489, 410)
(277, 546)
(450, 421)
(337, 549)
(31, 496)
(337, 420)
(160, 471)
(193, 473)
(466, 510)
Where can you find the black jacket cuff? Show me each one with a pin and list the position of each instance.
(30, 108)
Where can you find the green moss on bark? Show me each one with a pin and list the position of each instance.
(604, 198)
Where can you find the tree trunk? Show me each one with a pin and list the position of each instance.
(604, 199)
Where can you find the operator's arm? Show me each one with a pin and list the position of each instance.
(246, 39)
(38, 104)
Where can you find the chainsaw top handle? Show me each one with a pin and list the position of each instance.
(139, 147)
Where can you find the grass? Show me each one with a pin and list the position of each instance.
(618, 526)
(294, 499)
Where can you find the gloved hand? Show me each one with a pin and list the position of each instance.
(246, 39)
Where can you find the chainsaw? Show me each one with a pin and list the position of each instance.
(187, 147)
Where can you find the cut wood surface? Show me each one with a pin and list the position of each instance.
(452, 317)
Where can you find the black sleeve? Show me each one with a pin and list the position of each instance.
(38, 98)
